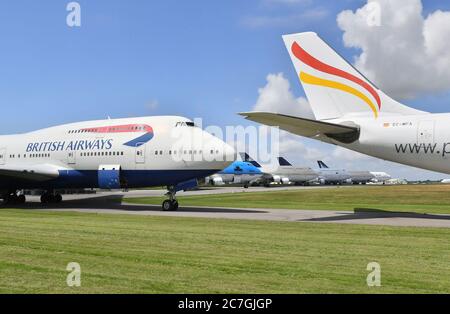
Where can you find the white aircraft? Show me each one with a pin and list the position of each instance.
(332, 175)
(341, 176)
(110, 154)
(283, 173)
(353, 113)
(380, 176)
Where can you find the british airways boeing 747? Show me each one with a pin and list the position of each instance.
(110, 154)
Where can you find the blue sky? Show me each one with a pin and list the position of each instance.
(194, 58)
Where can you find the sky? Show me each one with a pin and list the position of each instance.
(209, 59)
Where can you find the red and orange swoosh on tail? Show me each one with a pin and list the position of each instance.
(308, 59)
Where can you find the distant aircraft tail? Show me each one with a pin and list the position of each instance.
(333, 86)
(322, 165)
(246, 157)
(283, 162)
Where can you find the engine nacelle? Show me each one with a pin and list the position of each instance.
(276, 179)
(217, 181)
(349, 181)
(285, 180)
(322, 181)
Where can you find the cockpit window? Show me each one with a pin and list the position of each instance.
(185, 123)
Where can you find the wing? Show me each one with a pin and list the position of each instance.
(318, 130)
(37, 172)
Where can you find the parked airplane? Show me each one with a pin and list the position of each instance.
(380, 176)
(332, 176)
(285, 173)
(110, 154)
(353, 113)
(239, 172)
(345, 176)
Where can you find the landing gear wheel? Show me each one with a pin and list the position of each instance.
(167, 205)
(171, 204)
(45, 198)
(21, 199)
(58, 198)
(245, 186)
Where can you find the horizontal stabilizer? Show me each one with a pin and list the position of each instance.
(306, 127)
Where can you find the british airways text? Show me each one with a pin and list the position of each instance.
(69, 146)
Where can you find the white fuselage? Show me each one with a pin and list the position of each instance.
(421, 141)
(327, 175)
(289, 174)
(148, 151)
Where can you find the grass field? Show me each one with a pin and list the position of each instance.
(403, 198)
(145, 254)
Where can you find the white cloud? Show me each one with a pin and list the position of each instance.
(407, 54)
(276, 96)
(294, 145)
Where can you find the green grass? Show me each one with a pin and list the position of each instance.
(406, 198)
(146, 254)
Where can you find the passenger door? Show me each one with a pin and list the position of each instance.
(71, 158)
(2, 156)
(140, 154)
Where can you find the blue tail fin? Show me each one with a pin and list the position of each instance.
(321, 164)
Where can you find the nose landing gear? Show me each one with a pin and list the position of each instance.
(171, 204)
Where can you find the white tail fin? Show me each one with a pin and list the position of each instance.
(333, 86)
